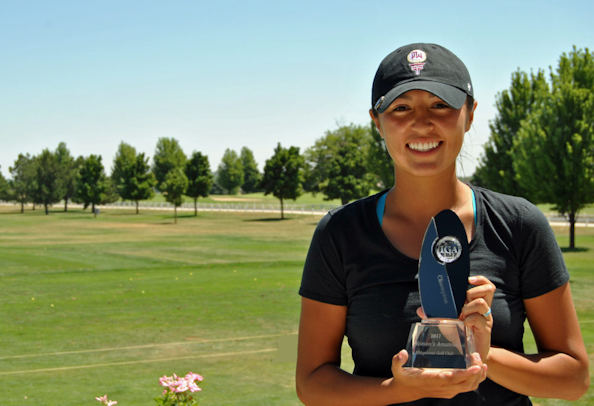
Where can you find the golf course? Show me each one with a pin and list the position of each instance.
(108, 304)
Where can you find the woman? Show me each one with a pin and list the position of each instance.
(359, 276)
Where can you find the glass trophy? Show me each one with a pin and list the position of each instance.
(442, 340)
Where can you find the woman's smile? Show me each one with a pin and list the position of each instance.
(423, 146)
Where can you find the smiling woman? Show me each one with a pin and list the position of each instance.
(360, 275)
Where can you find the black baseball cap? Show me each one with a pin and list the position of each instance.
(428, 67)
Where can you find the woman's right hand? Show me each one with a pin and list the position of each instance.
(437, 383)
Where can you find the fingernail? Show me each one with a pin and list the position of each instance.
(472, 279)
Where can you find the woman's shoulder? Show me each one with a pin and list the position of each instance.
(347, 215)
(511, 209)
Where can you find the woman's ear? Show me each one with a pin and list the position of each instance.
(375, 119)
(471, 116)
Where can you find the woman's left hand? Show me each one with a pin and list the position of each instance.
(476, 313)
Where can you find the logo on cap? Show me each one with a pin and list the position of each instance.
(417, 60)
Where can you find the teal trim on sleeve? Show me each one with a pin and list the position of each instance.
(474, 207)
(379, 209)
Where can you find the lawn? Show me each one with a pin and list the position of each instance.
(107, 305)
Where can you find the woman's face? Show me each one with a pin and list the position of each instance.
(423, 134)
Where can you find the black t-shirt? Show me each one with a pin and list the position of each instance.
(352, 263)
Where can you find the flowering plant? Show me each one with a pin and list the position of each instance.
(179, 391)
(104, 401)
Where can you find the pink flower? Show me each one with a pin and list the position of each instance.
(182, 385)
(166, 381)
(103, 400)
(194, 377)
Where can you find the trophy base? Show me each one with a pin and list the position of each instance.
(440, 343)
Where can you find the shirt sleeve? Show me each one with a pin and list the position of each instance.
(542, 265)
(323, 277)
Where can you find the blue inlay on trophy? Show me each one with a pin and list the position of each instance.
(442, 340)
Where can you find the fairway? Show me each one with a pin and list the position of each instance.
(107, 305)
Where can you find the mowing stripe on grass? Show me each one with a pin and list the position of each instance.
(145, 361)
(134, 347)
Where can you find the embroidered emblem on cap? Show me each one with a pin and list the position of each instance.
(417, 60)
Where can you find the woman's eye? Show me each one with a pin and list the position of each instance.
(400, 108)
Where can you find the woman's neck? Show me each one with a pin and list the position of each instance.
(420, 198)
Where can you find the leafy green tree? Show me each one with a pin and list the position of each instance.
(49, 187)
(4, 188)
(68, 172)
(379, 162)
(283, 175)
(124, 158)
(174, 187)
(339, 163)
(92, 186)
(230, 172)
(251, 175)
(168, 156)
(525, 95)
(200, 179)
(131, 175)
(24, 182)
(554, 151)
(137, 182)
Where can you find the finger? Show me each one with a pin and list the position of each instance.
(477, 306)
(399, 360)
(485, 291)
(479, 280)
(421, 313)
(476, 322)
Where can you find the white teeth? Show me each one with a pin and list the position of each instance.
(423, 146)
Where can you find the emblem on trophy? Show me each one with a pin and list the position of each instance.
(442, 340)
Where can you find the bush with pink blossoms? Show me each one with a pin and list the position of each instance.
(179, 391)
(104, 401)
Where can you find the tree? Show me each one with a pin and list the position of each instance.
(379, 162)
(47, 175)
(168, 156)
(339, 163)
(230, 172)
(23, 183)
(283, 175)
(525, 95)
(124, 158)
(68, 172)
(131, 175)
(251, 175)
(4, 188)
(137, 181)
(554, 151)
(174, 187)
(200, 179)
(92, 186)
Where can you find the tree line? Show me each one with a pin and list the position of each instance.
(541, 144)
(344, 164)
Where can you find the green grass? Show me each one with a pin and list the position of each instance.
(102, 297)
(109, 304)
(258, 198)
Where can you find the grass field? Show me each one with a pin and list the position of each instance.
(107, 305)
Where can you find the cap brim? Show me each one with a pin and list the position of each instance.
(449, 94)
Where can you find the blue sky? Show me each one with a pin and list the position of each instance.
(227, 74)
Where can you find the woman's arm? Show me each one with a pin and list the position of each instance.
(560, 368)
(320, 381)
